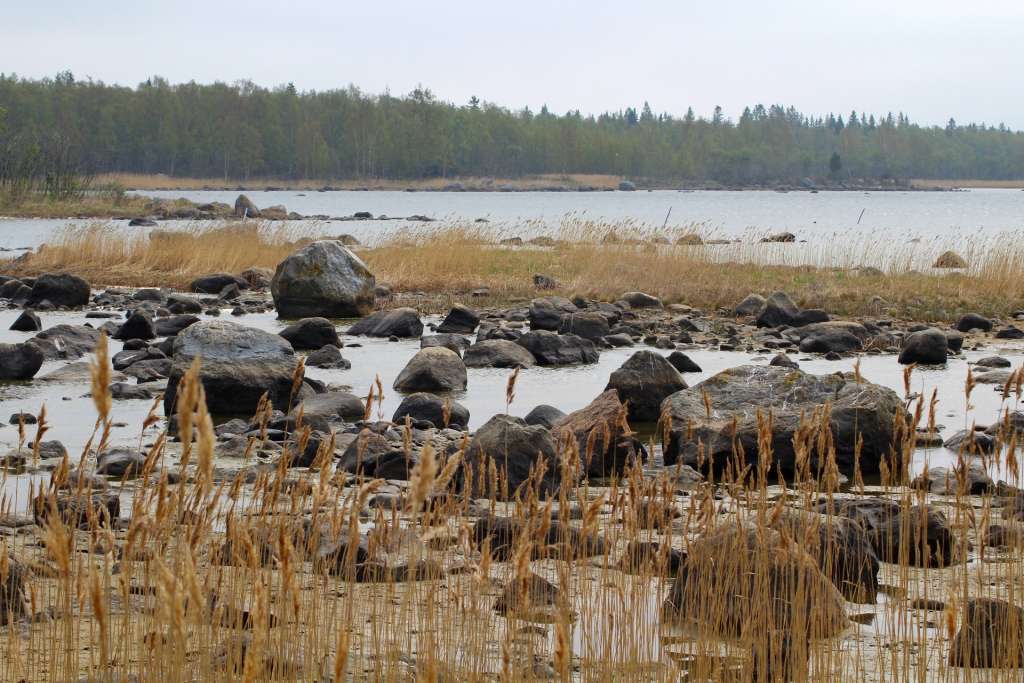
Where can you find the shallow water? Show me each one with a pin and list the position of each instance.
(71, 415)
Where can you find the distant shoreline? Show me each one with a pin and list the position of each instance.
(538, 183)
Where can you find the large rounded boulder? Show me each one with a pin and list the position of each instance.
(433, 369)
(311, 334)
(743, 582)
(60, 289)
(601, 435)
(323, 279)
(711, 422)
(552, 349)
(20, 361)
(644, 381)
(238, 365)
(498, 353)
(516, 448)
(398, 322)
(926, 347)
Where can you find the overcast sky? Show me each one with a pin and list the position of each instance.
(930, 58)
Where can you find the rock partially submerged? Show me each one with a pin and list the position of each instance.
(433, 369)
(515, 448)
(239, 365)
(601, 435)
(859, 409)
(397, 322)
(644, 381)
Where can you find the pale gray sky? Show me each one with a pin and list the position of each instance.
(930, 58)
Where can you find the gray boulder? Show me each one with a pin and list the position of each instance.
(245, 208)
(641, 300)
(515, 447)
(455, 342)
(865, 409)
(214, 283)
(431, 408)
(589, 325)
(138, 326)
(60, 289)
(398, 322)
(28, 321)
(311, 333)
(553, 349)
(546, 313)
(926, 347)
(20, 361)
(461, 319)
(498, 353)
(328, 357)
(752, 305)
(323, 279)
(644, 381)
(67, 342)
(332, 407)
(433, 369)
(544, 415)
(239, 365)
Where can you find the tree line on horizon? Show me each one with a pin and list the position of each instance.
(242, 130)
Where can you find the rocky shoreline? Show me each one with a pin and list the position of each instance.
(741, 429)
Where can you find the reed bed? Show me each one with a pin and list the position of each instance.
(846, 274)
(314, 575)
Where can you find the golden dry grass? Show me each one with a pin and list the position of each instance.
(928, 184)
(593, 260)
(219, 579)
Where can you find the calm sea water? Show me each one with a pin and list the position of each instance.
(943, 218)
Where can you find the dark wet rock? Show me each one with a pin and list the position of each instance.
(311, 333)
(149, 370)
(973, 479)
(431, 408)
(14, 603)
(455, 342)
(515, 447)
(921, 532)
(546, 313)
(641, 300)
(651, 558)
(973, 321)
(332, 406)
(78, 510)
(925, 347)
(60, 289)
(619, 340)
(328, 357)
(239, 365)
(138, 326)
(605, 444)
(182, 303)
(1003, 536)
(992, 362)
(781, 360)
(173, 325)
(149, 294)
(544, 415)
(589, 325)
(214, 283)
(531, 598)
(751, 306)
(121, 391)
(501, 535)
(397, 322)
(1010, 332)
(375, 456)
(245, 208)
(230, 293)
(20, 361)
(737, 581)
(971, 441)
(839, 336)
(433, 369)
(120, 462)
(842, 549)
(644, 381)
(498, 353)
(683, 363)
(950, 259)
(780, 310)
(863, 409)
(28, 321)
(22, 418)
(553, 349)
(66, 342)
(991, 636)
(461, 319)
(13, 288)
(323, 279)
